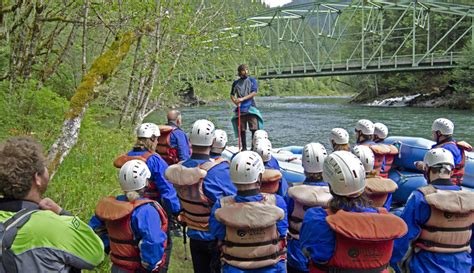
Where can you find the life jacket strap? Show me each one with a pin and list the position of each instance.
(435, 244)
(329, 269)
(123, 258)
(195, 203)
(296, 219)
(197, 214)
(124, 242)
(233, 244)
(256, 259)
(446, 229)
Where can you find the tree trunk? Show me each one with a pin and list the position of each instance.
(131, 84)
(84, 38)
(102, 68)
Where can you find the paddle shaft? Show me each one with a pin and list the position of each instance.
(238, 126)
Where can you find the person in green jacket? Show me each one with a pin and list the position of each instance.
(38, 235)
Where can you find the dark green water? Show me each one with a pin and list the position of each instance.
(300, 120)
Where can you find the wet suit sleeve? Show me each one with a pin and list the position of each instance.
(179, 139)
(416, 213)
(316, 237)
(217, 228)
(146, 225)
(99, 228)
(282, 225)
(217, 183)
(158, 167)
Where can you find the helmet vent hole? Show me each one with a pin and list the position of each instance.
(355, 174)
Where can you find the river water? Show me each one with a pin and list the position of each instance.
(300, 120)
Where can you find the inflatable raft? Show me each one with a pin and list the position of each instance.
(404, 173)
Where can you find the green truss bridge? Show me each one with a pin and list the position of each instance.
(329, 38)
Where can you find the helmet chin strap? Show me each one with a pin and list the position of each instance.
(426, 174)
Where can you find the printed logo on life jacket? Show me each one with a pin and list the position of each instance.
(366, 253)
(251, 232)
(353, 252)
(241, 233)
(455, 216)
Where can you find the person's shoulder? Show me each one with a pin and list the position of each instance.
(252, 79)
(316, 213)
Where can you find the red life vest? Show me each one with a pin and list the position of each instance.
(364, 241)
(383, 157)
(164, 149)
(458, 172)
(188, 183)
(151, 191)
(124, 250)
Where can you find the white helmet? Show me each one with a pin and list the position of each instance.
(202, 133)
(339, 136)
(221, 140)
(366, 156)
(148, 130)
(133, 175)
(260, 134)
(344, 173)
(263, 147)
(381, 131)
(443, 125)
(246, 168)
(313, 157)
(438, 157)
(365, 126)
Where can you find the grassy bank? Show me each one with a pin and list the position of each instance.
(87, 174)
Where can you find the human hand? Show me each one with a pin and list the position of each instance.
(420, 165)
(49, 204)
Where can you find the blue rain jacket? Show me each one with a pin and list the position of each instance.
(166, 190)
(145, 224)
(218, 231)
(416, 213)
(179, 140)
(453, 148)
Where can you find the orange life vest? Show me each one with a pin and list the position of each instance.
(270, 181)
(378, 189)
(383, 157)
(364, 241)
(151, 191)
(252, 240)
(305, 197)
(188, 183)
(449, 227)
(458, 172)
(124, 250)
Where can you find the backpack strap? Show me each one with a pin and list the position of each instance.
(8, 232)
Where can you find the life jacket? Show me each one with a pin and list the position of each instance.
(458, 172)
(164, 149)
(188, 182)
(448, 229)
(252, 240)
(270, 181)
(305, 197)
(364, 241)
(151, 191)
(378, 189)
(124, 250)
(384, 155)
